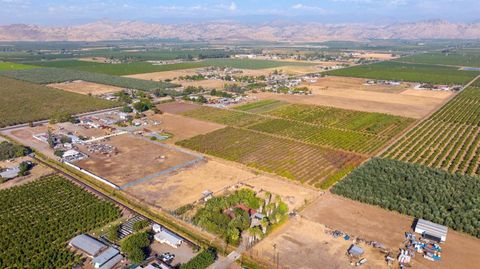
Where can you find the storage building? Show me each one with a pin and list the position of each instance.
(169, 238)
(89, 245)
(104, 257)
(432, 231)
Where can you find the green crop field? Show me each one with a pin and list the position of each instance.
(297, 161)
(39, 218)
(145, 67)
(416, 190)
(14, 66)
(55, 75)
(22, 102)
(359, 132)
(374, 123)
(425, 73)
(467, 57)
(449, 139)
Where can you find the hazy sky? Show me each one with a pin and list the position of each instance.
(70, 12)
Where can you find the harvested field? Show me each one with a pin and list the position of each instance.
(294, 160)
(376, 55)
(186, 186)
(207, 83)
(374, 223)
(182, 127)
(136, 158)
(410, 106)
(84, 87)
(177, 108)
(165, 74)
(333, 83)
(302, 243)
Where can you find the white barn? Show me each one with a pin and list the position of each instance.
(431, 230)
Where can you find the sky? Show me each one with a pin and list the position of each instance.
(73, 12)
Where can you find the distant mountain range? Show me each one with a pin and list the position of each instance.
(230, 31)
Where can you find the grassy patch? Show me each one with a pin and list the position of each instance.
(14, 66)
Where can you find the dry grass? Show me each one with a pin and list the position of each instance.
(84, 87)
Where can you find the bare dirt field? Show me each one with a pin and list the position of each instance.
(37, 171)
(94, 59)
(348, 83)
(376, 56)
(25, 136)
(182, 127)
(303, 243)
(374, 223)
(186, 185)
(177, 108)
(165, 74)
(84, 87)
(136, 158)
(347, 94)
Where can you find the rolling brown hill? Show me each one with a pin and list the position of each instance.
(230, 31)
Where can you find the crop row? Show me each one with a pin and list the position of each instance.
(449, 139)
(297, 161)
(22, 102)
(38, 218)
(56, 75)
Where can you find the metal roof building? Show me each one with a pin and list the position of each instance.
(431, 230)
(87, 244)
(104, 257)
(167, 237)
(112, 262)
(10, 173)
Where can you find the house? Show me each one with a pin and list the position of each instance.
(169, 238)
(432, 231)
(246, 209)
(107, 255)
(87, 244)
(10, 173)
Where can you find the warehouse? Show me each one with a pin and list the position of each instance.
(90, 246)
(104, 257)
(432, 231)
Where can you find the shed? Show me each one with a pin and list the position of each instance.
(112, 262)
(432, 231)
(87, 244)
(169, 238)
(355, 250)
(10, 173)
(104, 257)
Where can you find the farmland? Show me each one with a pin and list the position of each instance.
(375, 123)
(297, 161)
(57, 75)
(416, 190)
(466, 57)
(38, 219)
(449, 139)
(426, 73)
(14, 66)
(145, 67)
(354, 131)
(22, 102)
